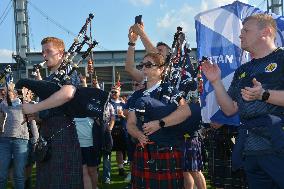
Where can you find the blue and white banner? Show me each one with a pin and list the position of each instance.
(217, 36)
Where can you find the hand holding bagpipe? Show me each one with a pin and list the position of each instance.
(86, 102)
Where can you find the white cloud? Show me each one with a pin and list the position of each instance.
(163, 4)
(205, 4)
(6, 56)
(140, 2)
(184, 17)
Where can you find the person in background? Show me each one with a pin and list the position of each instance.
(14, 139)
(193, 163)
(90, 161)
(107, 141)
(33, 138)
(2, 115)
(119, 133)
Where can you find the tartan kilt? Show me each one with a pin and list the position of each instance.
(192, 156)
(119, 137)
(164, 171)
(64, 169)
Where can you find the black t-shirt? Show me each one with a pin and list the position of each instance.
(269, 71)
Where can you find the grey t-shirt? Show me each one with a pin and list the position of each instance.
(13, 119)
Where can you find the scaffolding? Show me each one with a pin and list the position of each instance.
(275, 6)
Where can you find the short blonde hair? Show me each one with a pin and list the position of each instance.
(263, 20)
(58, 43)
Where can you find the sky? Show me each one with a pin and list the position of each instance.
(112, 19)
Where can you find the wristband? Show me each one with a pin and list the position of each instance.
(131, 44)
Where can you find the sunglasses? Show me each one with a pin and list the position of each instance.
(114, 92)
(137, 84)
(147, 64)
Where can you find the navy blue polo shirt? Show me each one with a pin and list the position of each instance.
(59, 111)
(164, 100)
(269, 71)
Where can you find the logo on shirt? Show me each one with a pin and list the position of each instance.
(242, 75)
(271, 67)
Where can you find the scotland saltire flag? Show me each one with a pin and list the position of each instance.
(217, 36)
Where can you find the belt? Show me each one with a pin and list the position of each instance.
(155, 146)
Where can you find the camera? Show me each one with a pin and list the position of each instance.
(138, 19)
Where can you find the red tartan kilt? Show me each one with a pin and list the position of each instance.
(163, 172)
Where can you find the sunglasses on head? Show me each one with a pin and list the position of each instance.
(147, 64)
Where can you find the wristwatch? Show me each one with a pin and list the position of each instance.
(162, 123)
(131, 44)
(265, 95)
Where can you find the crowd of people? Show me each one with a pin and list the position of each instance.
(157, 128)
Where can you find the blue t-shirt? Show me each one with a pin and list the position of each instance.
(166, 99)
(269, 71)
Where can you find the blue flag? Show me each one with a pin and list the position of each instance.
(217, 36)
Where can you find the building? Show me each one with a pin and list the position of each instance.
(107, 65)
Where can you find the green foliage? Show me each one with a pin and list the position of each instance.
(117, 182)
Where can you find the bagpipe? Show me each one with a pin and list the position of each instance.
(181, 74)
(7, 77)
(148, 109)
(87, 102)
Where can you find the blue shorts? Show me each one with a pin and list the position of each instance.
(90, 157)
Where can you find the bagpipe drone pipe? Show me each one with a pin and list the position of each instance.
(87, 102)
(180, 73)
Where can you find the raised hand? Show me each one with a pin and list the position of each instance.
(211, 71)
(132, 36)
(138, 29)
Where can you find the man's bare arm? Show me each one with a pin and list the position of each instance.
(213, 74)
(228, 106)
(65, 94)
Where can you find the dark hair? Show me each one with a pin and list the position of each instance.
(163, 44)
